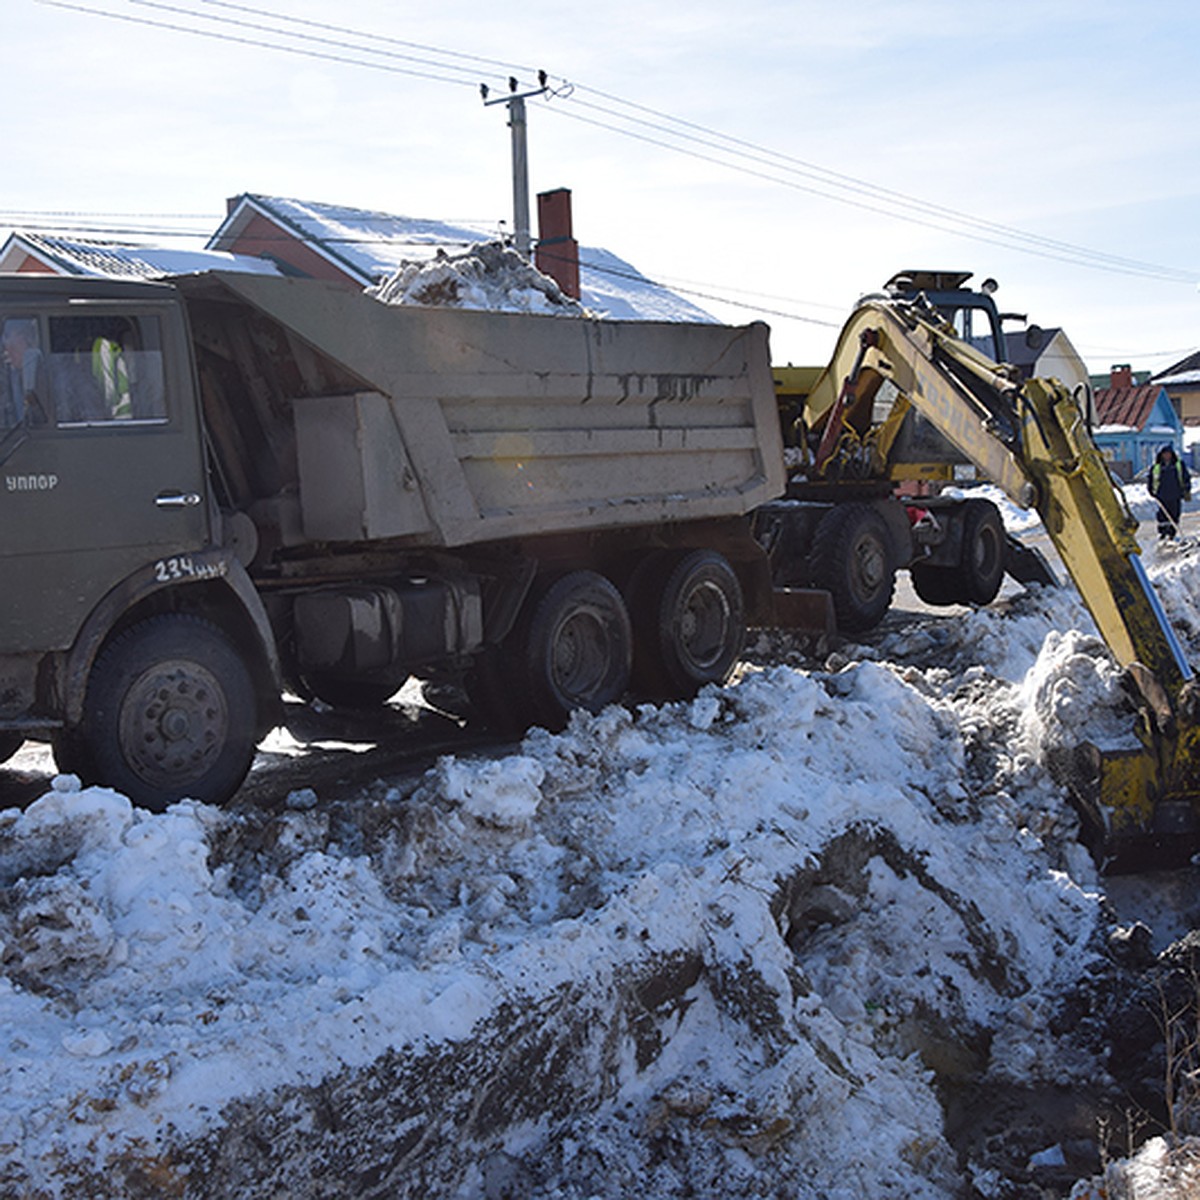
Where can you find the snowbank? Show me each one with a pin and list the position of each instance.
(741, 946)
(789, 875)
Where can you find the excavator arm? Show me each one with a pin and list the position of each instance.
(1031, 439)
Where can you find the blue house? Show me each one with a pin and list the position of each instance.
(1134, 422)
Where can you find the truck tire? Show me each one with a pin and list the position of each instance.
(10, 743)
(689, 624)
(984, 551)
(170, 713)
(851, 558)
(575, 651)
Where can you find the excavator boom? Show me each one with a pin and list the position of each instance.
(1031, 438)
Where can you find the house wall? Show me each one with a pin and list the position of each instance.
(1187, 403)
(33, 266)
(264, 239)
(1060, 360)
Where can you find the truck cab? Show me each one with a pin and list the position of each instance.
(107, 515)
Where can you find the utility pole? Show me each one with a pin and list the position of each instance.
(520, 155)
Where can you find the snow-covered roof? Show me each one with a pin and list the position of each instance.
(1180, 379)
(1185, 371)
(89, 256)
(370, 246)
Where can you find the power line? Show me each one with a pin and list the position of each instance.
(927, 215)
(723, 147)
(248, 41)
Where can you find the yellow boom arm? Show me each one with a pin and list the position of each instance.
(1031, 439)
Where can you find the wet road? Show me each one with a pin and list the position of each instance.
(332, 752)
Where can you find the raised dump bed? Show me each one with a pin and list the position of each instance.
(350, 420)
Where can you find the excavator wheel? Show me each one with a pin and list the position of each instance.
(852, 560)
(984, 552)
(10, 743)
(938, 586)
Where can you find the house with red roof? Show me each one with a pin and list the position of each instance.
(1133, 422)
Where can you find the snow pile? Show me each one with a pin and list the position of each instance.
(755, 944)
(489, 276)
(760, 919)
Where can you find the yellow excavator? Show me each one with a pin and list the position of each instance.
(920, 366)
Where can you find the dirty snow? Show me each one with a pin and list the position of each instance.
(760, 920)
(490, 275)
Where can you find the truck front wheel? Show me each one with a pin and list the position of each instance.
(170, 713)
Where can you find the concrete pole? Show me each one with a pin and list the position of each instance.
(520, 169)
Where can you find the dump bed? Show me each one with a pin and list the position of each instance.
(351, 420)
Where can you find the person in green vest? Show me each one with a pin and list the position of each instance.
(1170, 485)
(111, 370)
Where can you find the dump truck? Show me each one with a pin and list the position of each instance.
(224, 486)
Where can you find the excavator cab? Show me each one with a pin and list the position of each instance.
(971, 314)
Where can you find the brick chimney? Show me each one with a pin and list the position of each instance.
(557, 253)
(1120, 376)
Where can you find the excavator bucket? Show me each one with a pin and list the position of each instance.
(1130, 821)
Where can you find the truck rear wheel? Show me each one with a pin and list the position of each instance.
(689, 624)
(170, 713)
(851, 559)
(576, 650)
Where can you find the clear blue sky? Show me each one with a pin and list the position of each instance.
(819, 137)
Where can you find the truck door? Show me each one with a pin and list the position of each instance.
(101, 466)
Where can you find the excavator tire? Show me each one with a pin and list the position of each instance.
(10, 743)
(984, 551)
(851, 558)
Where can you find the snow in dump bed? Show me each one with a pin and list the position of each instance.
(492, 275)
(863, 864)
(487, 276)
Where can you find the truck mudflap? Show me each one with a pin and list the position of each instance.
(217, 567)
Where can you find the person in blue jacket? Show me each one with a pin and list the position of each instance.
(1170, 485)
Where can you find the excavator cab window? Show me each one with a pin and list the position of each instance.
(975, 327)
